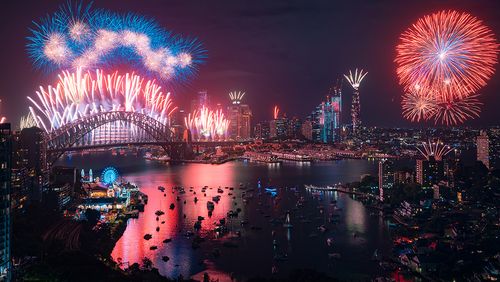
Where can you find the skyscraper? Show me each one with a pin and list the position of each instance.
(429, 172)
(5, 183)
(200, 100)
(240, 117)
(355, 80)
(483, 148)
(326, 119)
(261, 130)
(385, 177)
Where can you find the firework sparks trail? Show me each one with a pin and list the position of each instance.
(236, 97)
(27, 121)
(79, 94)
(276, 112)
(355, 78)
(434, 149)
(207, 125)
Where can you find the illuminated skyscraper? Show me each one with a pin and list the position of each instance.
(429, 172)
(200, 100)
(355, 80)
(483, 148)
(385, 177)
(240, 117)
(5, 185)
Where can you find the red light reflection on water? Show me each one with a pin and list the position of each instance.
(132, 247)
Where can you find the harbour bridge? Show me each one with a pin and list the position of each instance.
(119, 129)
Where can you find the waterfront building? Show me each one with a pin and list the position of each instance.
(5, 212)
(429, 172)
(385, 177)
(483, 148)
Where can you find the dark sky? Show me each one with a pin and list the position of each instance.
(278, 52)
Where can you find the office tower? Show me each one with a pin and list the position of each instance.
(5, 183)
(261, 130)
(200, 100)
(240, 117)
(278, 128)
(429, 172)
(483, 148)
(33, 157)
(306, 129)
(385, 177)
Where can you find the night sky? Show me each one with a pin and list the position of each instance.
(279, 52)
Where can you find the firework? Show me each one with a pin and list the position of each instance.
(355, 78)
(276, 112)
(79, 94)
(79, 37)
(207, 125)
(456, 111)
(447, 49)
(419, 105)
(27, 121)
(434, 149)
(3, 119)
(236, 97)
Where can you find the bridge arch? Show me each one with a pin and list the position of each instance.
(68, 135)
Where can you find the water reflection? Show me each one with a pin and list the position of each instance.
(304, 245)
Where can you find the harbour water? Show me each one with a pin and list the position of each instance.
(263, 245)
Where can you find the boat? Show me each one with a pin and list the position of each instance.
(148, 236)
(157, 229)
(322, 228)
(172, 206)
(165, 258)
(210, 206)
(287, 223)
(153, 247)
(161, 188)
(329, 241)
(168, 240)
(334, 256)
(159, 213)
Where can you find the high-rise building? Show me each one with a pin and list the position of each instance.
(200, 100)
(5, 183)
(32, 154)
(483, 148)
(355, 81)
(278, 128)
(429, 172)
(385, 177)
(494, 136)
(261, 130)
(326, 124)
(240, 118)
(306, 129)
(294, 128)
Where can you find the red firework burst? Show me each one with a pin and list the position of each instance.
(454, 112)
(447, 49)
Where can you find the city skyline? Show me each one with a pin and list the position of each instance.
(226, 69)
